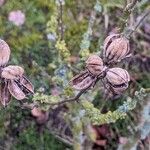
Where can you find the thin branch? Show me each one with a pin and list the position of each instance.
(70, 99)
(139, 22)
(131, 5)
(61, 20)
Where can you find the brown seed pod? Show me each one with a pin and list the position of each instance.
(12, 72)
(116, 48)
(118, 79)
(94, 64)
(82, 81)
(5, 96)
(15, 90)
(4, 53)
(26, 85)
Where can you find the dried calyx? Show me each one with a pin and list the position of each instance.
(116, 48)
(117, 79)
(13, 81)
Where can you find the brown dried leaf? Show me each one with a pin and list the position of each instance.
(82, 81)
(15, 90)
(36, 112)
(12, 72)
(4, 53)
(5, 96)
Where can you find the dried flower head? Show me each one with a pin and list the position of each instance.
(4, 53)
(116, 48)
(118, 79)
(17, 17)
(94, 64)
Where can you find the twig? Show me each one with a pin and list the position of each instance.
(70, 99)
(130, 5)
(138, 23)
(126, 14)
(60, 20)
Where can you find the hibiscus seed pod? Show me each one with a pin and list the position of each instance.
(118, 79)
(5, 96)
(94, 64)
(4, 53)
(12, 72)
(82, 81)
(116, 48)
(27, 86)
(15, 90)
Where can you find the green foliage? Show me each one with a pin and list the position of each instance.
(31, 139)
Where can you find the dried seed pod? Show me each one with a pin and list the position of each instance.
(116, 48)
(5, 96)
(4, 53)
(82, 81)
(118, 79)
(15, 90)
(94, 65)
(12, 72)
(27, 85)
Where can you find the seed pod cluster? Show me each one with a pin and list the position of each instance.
(116, 48)
(13, 81)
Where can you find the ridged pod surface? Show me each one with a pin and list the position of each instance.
(94, 64)
(116, 48)
(12, 72)
(118, 79)
(4, 53)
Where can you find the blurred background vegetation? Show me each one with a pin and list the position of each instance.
(32, 47)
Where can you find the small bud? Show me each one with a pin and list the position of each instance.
(41, 116)
(4, 53)
(116, 48)
(12, 72)
(94, 65)
(36, 112)
(118, 79)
